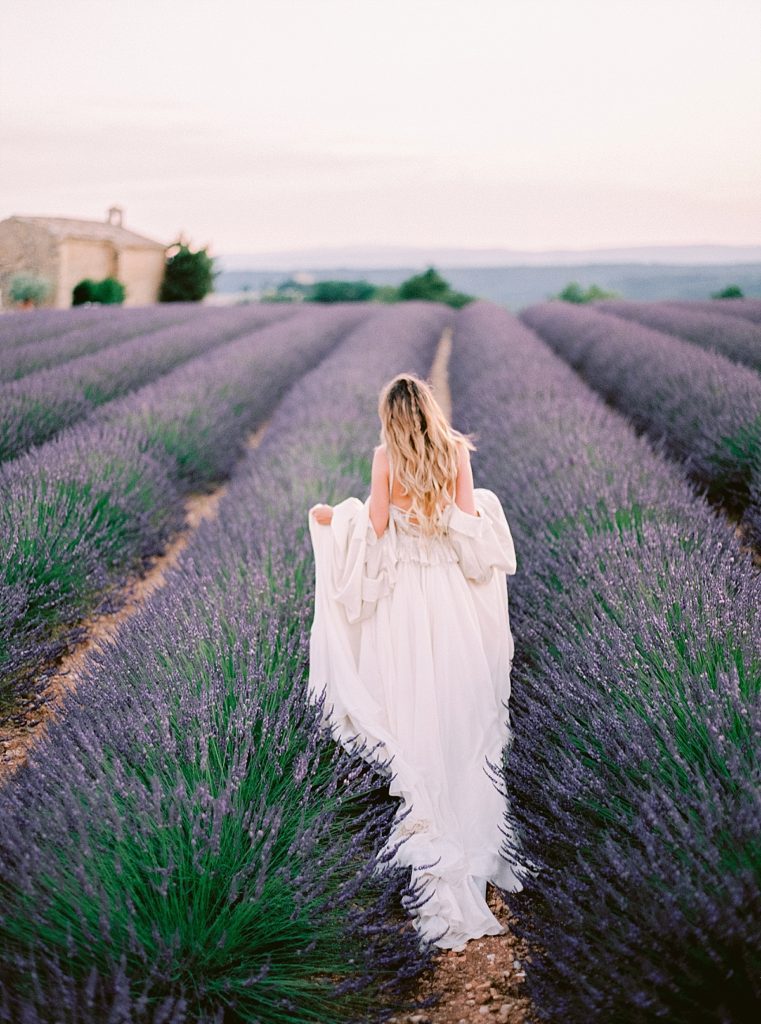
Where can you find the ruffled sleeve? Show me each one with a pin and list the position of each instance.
(354, 569)
(483, 542)
(362, 565)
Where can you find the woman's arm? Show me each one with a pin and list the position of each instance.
(464, 497)
(379, 498)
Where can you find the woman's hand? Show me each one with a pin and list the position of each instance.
(323, 514)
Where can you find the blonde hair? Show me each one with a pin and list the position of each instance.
(421, 446)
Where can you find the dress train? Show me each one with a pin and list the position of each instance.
(411, 644)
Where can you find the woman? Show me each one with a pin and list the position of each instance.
(411, 644)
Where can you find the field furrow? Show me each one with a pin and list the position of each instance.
(186, 839)
(732, 336)
(92, 504)
(21, 327)
(747, 309)
(704, 409)
(22, 360)
(35, 408)
(634, 775)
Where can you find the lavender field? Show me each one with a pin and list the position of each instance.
(184, 842)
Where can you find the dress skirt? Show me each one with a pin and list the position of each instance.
(411, 644)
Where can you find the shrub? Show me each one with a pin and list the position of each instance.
(36, 407)
(731, 336)
(107, 292)
(81, 338)
(573, 292)
(635, 770)
(341, 291)
(732, 291)
(386, 293)
(70, 515)
(29, 289)
(704, 408)
(213, 856)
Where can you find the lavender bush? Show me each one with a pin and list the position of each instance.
(35, 408)
(732, 336)
(706, 409)
(200, 413)
(747, 309)
(18, 328)
(91, 505)
(634, 774)
(22, 359)
(186, 843)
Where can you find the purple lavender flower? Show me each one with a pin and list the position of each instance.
(633, 775)
(705, 409)
(732, 336)
(186, 839)
(83, 510)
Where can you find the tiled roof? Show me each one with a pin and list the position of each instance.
(73, 227)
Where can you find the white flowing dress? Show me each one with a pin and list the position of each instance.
(411, 644)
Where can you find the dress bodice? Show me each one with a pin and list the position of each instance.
(413, 546)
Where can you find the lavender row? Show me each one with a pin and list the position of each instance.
(30, 356)
(705, 409)
(747, 309)
(91, 505)
(18, 328)
(34, 409)
(211, 851)
(634, 771)
(732, 336)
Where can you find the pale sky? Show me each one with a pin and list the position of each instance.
(259, 125)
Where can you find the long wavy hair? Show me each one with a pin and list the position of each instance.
(422, 447)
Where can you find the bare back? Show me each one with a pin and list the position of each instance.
(386, 490)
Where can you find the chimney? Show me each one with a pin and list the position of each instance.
(115, 215)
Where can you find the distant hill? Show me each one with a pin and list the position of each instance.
(519, 286)
(418, 257)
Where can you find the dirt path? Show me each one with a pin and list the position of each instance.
(485, 982)
(16, 741)
(439, 375)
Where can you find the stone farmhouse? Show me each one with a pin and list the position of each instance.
(66, 249)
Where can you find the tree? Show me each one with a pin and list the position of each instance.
(458, 299)
(573, 292)
(109, 291)
(188, 276)
(428, 285)
(29, 289)
(732, 291)
(432, 286)
(595, 292)
(341, 291)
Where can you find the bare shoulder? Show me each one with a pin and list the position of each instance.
(380, 454)
(463, 453)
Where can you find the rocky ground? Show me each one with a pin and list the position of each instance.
(485, 982)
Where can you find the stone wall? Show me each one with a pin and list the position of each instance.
(26, 249)
(80, 258)
(141, 271)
